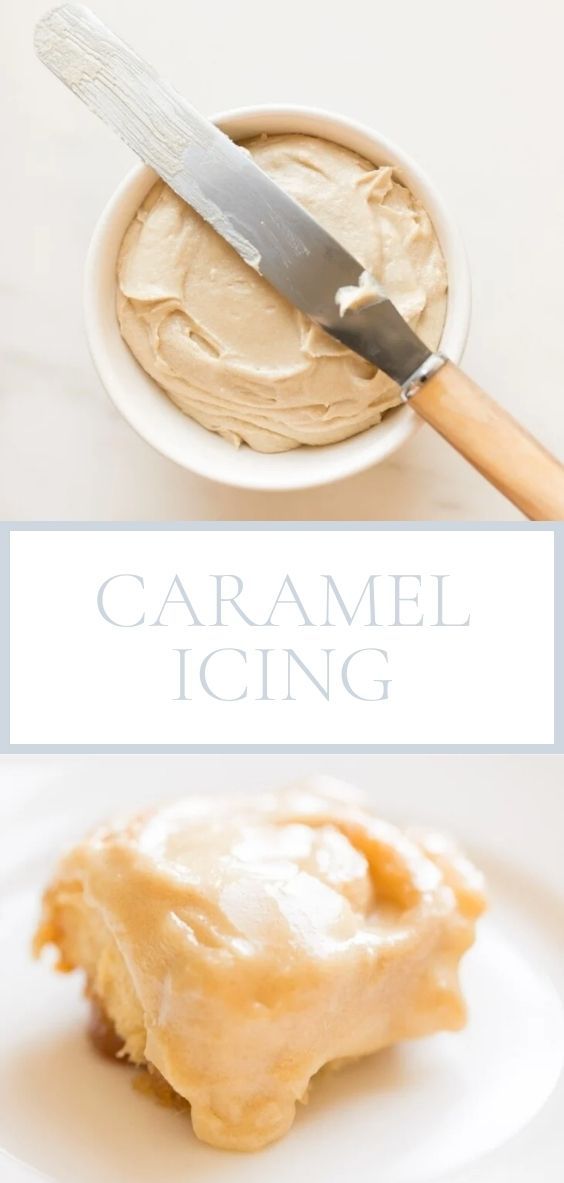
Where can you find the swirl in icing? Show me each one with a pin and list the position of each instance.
(228, 349)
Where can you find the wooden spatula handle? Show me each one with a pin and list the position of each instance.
(493, 442)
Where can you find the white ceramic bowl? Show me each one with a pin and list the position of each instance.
(152, 413)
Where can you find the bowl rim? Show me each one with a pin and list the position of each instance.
(328, 463)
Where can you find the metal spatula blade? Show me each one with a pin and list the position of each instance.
(268, 229)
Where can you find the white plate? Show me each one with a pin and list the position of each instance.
(480, 1105)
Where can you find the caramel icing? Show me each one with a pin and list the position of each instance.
(234, 354)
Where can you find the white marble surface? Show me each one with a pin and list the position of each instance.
(473, 89)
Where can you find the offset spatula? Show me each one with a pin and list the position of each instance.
(273, 234)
